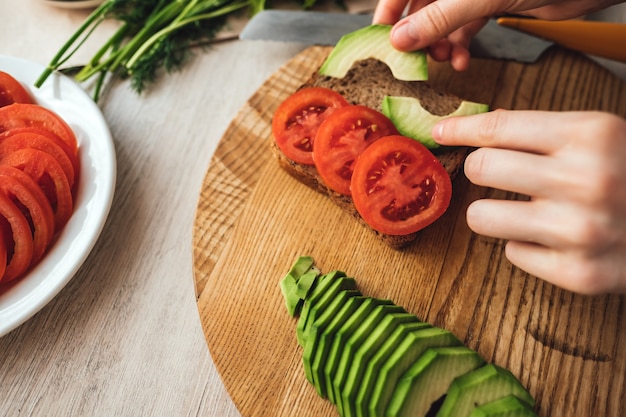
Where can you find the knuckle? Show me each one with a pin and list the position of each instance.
(492, 123)
(437, 19)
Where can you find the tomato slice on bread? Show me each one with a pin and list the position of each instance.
(33, 115)
(11, 91)
(342, 137)
(299, 116)
(399, 187)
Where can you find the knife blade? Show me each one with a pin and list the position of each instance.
(326, 28)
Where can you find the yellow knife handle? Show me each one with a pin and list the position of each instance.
(604, 39)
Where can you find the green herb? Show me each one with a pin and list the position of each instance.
(153, 34)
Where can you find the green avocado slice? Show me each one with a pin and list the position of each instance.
(509, 406)
(428, 379)
(383, 313)
(481, 386)
(373, 42)
(415, 122)
(313, 332)
(411, 348)
(373, 366)
(324, 339)
(341, 337)
(327, 285)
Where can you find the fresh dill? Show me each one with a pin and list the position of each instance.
(153, 35)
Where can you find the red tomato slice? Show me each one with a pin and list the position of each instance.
(297, 119)
(30, 199)
(32, 115)
(49, 175)
(399, 187)
(17, 238)
(11, 141)
(11, 91)
(71, 155)
(342, 137)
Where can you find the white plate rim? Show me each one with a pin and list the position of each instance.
(93, 200)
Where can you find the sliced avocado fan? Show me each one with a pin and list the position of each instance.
(371, 358)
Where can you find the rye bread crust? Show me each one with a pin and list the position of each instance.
(367, 83)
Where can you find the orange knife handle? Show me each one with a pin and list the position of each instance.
(603, 39)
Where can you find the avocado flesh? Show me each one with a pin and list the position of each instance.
(327, 286)
(373, 42)
(323, 340)
(401, 360)
(353, 343)
(340, 338)
(415, 122)
(428, 379)
(509, 406)
(306, 283)
(480, 386)
(288, 286)
(298, 282)
(364, 353)
(373, 366)
(312, 332)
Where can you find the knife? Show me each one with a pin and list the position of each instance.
(326, 28)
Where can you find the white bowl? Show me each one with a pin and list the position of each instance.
(21, 300)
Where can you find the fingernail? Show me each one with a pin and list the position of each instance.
(437, 132)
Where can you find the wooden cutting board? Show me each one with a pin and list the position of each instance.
(253, 220)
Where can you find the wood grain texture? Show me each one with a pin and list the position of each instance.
(253, 220)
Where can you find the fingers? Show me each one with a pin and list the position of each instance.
(435, 21)
(529, 131)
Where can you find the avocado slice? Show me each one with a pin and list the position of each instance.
(323, 341)
(364, 342)
(373, 366)
(373, 42)
(415, 122)
(288, 286)
(297, 283)
(334, 281)
(411, 348)
(341, 337)
(509, 406)
(481, 386)
(324, 318)
(429, 378)
(364, 352)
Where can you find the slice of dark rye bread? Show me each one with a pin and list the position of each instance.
(366, 84)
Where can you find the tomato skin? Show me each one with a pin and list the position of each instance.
(298, 117)
(33, 138)
(342, 137)
(399, 187)
(11, 91)
(33, 115)
(49, 175)
(20, 187)
(17, 238)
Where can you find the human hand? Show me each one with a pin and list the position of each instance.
(572, 231)
(445, 27)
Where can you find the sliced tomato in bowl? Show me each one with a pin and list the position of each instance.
(12, 91)
(17, 237)
(49, 175)
(399, 187)
(298, 117)
(33, 138)
(30, 199)
(19, 115)
(342, 137)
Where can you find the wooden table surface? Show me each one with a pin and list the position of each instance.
(124, 337)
